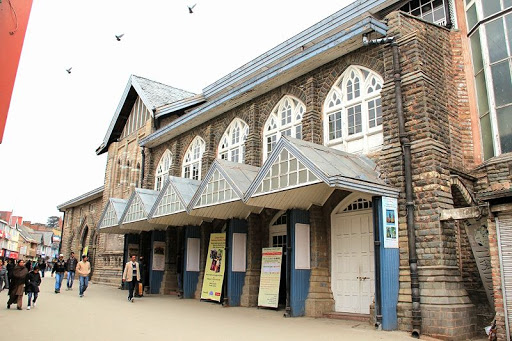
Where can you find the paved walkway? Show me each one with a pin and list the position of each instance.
(104, 314)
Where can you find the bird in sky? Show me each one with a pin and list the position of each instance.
(190, 8)
(119, 36)
(69, 70)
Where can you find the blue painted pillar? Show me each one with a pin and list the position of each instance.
(235, 280)
(299, 278)
(190, 278)
(155, 277)
(387, 262)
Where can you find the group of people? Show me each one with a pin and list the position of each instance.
(25, 278)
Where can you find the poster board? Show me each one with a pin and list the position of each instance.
(193, 254)
(158, 256)
(390, 222)
(214, 268)
(302, 247)
(271, 259)
(238, 262)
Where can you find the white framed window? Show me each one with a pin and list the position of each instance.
(192, 162)
(285, 119)
(162, 170)
(434, 11)
(490, 36)
(353, 111)
(232, 143)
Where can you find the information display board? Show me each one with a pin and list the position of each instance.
(270, 278)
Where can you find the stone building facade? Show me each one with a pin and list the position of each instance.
(186, 137)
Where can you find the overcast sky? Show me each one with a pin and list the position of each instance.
(57, 120)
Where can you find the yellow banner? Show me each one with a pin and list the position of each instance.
(270, 277)
(86, 250)
(214, 270)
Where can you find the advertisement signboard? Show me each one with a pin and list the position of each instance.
(214, 269)
(390, 222)
(158, 256)
(270, 277)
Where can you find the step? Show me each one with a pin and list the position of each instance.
(348, 316)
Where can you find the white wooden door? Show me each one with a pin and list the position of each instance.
(353, 281)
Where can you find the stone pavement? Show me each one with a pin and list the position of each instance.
(104, 314)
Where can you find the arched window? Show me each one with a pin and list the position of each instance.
(285, 119)
(192, 162)
(353, 112)
(232, 143)
(163, 168)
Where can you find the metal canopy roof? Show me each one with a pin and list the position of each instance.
(222, 190)
(170, 207)
(137, 210)
(298, 174)
(111, 216)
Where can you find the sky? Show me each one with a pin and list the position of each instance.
(57, 120)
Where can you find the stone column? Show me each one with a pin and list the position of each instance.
(250, 291)
(311, 121)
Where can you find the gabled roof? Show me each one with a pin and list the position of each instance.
(171, 205)
(137, 210)
(112, 213)
(27, 233)
(153, 95)
(314, 166)
(46, 237)
(222, 190)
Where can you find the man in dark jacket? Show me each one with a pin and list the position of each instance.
(59, 268)
(71, 268)
(19, 275)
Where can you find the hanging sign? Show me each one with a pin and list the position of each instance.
(214, 269)
(270, 277)
(158, 256)
(390, 222)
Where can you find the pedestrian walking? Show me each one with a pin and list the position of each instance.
(10, 267)
(59, 268)
(28, 265)
(71, 267)
(32, 286)
(4, 280)
(42, 266)
(131, 274)
(83, 269)
(17, 286)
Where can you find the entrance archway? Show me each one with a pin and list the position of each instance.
(352, 255)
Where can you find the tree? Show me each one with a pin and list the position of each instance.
(53, 222)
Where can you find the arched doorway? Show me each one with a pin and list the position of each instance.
(352, 252)
(277, 238)
(83, 243)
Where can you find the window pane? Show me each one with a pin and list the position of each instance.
(496, 40)
(491, 7)
(508, 22)
(476, 52)
(481, 93)
(504, 116)
(485, 126)
(507, 3)
(472, 17)
(501, 83)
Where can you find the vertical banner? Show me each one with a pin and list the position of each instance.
(214, 269)
(158, 256)
(86, 251)
(270, 277)
(390, 222)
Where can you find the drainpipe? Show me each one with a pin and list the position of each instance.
(288, 309)
(142, 161)
(406, 148)
(376, 252)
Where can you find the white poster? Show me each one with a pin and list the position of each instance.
(302, 247)
(193, 254)
(158, 256)
(238, 262)
(390, 222)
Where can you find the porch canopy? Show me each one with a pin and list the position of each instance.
(137, 210)
(171, 205)
(221, 192)
(298, 174)
(111, 216)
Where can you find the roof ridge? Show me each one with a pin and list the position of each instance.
(167, 85)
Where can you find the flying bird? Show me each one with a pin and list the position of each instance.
(190, 8)
(119, 36)
(69, 70)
